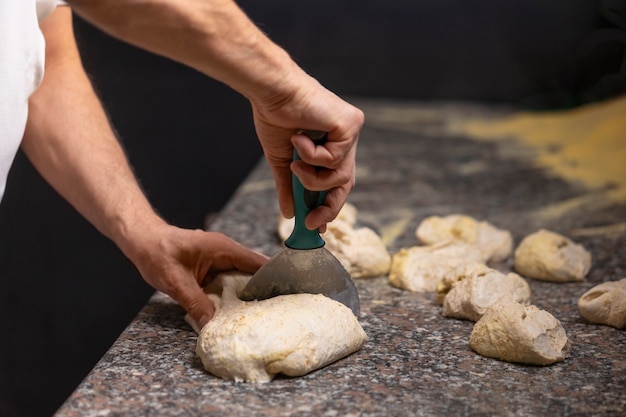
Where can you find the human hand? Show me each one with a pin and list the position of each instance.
(219, 40)
(310, 106)
(177, 261)
(76, 151)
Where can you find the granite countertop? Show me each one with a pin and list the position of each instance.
(415, 362)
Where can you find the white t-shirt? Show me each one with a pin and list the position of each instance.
(22, 53)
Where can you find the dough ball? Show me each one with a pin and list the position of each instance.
(495, 244)
(469, 290)
(360, 250)
(513, 332)
(605, 304)
(549, 256)
(289, 334)
(420, 268)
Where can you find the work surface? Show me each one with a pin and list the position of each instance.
(415, 160)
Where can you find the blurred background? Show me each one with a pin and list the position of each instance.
(67, 292)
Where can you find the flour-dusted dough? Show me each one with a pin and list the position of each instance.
(495, 244)
(549, 256)
(605, 304)
(360, 250)
(513, 332)
(467, 291)
(420, 268)
(290, 334)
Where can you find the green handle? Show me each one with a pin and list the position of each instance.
(304, 201)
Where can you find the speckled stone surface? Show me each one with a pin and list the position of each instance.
(415, 362)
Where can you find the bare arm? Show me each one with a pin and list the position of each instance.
(69, 140)
(67, 129)
(212, 36)
(216, 38)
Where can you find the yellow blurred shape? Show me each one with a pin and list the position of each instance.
(586, 144)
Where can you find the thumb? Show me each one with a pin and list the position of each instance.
(196, 303)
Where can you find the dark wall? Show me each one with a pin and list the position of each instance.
(533, 53)
(190, 139)
(67, 292)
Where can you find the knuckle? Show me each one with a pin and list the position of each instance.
(193, 306)
(343, 177)
(359, 117)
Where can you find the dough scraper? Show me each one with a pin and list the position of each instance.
(304, 265)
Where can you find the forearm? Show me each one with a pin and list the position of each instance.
(212, 36)
(216, 38)
(70, 142)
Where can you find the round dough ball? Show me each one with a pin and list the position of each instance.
(605, 304)
(469, 290)
(361, 251)
(513, 332)
(549, 256)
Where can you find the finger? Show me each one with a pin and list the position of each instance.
(247, 260)
(282, 179)
(233, 255)
(329, 155)
(334, 201)
(321, 179)
(191, 297)
(318, 218)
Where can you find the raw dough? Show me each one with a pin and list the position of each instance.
(549, 256)
(420, 268)
(605, 304)
(495, 244)
(469, 290)
(290, 334)
(360, 250)
(516, 333)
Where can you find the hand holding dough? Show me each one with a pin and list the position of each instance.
(516, 333)
(289, 334)
(605, 304)
(549, 256)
